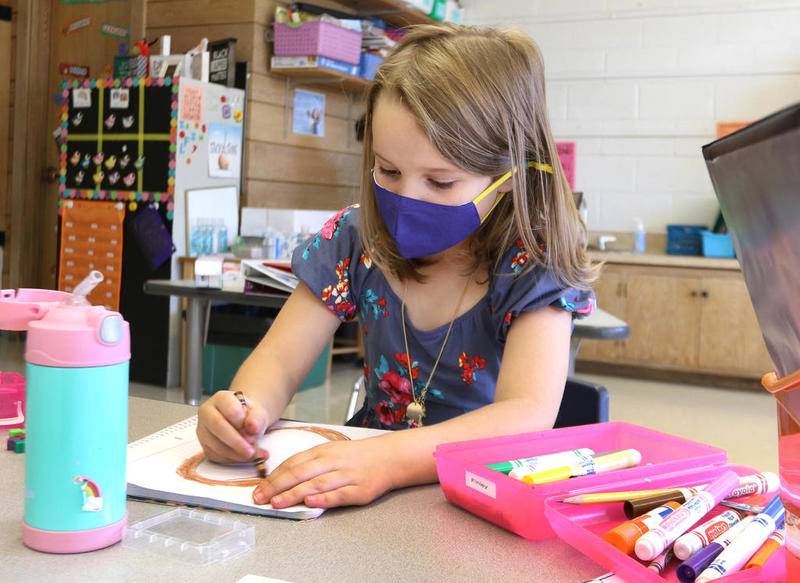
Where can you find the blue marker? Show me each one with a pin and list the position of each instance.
(745, 545)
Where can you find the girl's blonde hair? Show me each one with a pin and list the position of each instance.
(479, 96)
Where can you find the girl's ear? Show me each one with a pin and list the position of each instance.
(506, 187)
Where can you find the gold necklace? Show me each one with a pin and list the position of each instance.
(415, 412)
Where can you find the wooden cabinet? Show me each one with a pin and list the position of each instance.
(731, 341)
(692, 320)
(666, 312)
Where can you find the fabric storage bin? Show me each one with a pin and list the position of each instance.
(318, 38)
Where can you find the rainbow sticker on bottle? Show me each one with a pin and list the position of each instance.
(92, 499)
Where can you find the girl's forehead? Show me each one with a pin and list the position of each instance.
(398, 138)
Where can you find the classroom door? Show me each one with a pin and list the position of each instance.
(5, 120)
(56, 40)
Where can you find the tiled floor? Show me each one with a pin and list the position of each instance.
(741, 422)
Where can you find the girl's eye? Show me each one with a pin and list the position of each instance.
(386, 172)
(441, 185)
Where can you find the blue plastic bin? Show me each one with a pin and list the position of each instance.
(685, 239)
(717, 244)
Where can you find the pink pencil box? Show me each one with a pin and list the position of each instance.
(520, 507)
(12, 400)
(583, 526)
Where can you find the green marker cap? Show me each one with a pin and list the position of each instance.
(504, 467)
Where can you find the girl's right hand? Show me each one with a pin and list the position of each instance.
(228, 432)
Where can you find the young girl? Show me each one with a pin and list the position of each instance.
(464, 263)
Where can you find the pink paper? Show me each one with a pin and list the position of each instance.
(566, 153)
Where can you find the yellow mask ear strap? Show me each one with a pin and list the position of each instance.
(492, 187)
(496, 202)
(497, 183)
(543, 167)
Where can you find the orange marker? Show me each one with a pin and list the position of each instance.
(773, 543)
(625, 535)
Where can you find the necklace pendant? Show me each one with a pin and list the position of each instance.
(415, 412)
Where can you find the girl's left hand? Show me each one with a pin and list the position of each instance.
(340, 473)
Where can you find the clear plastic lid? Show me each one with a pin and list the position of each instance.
(191, 536)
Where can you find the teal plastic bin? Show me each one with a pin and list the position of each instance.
(717, 244)
(221, 361)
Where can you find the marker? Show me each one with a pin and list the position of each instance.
(763, 483)
(618, 460)
(625, 535)
(634, 508)
(701, 536)
(775, 541)
(654, 542)
(746, 544)
(688, 571)
(659, 564)
(542, 462)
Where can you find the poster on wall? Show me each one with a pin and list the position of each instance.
(192, 102)
(224, 150)
(309, 113)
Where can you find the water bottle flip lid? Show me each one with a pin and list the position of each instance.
(19, 308)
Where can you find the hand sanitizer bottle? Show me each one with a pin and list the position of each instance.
(639, 237)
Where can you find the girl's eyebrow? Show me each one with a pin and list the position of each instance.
(384, 158)
(431, 169)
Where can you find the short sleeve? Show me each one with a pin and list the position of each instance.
(331, 263)
(516, 290)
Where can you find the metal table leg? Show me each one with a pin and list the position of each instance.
(196, 311)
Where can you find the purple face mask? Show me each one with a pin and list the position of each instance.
(420, 228)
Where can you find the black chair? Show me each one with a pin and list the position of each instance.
(583, 403)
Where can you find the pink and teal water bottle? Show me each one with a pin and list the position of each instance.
(77, 417)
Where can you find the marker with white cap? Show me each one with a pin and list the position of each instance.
(701, 536)
(746, 544)
(688, 571)
(653, 542)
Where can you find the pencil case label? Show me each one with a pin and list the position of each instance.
(482, 485)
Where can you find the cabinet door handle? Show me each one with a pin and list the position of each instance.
(704, 293)
(694, 293)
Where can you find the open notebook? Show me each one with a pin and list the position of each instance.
(169, 466)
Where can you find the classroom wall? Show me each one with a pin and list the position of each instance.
(8, 37)
(281, 169)
(640, 84)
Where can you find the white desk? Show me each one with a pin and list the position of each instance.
(371, 543)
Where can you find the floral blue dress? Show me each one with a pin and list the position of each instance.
(334, 267)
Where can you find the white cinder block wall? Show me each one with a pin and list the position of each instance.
(640, 84)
